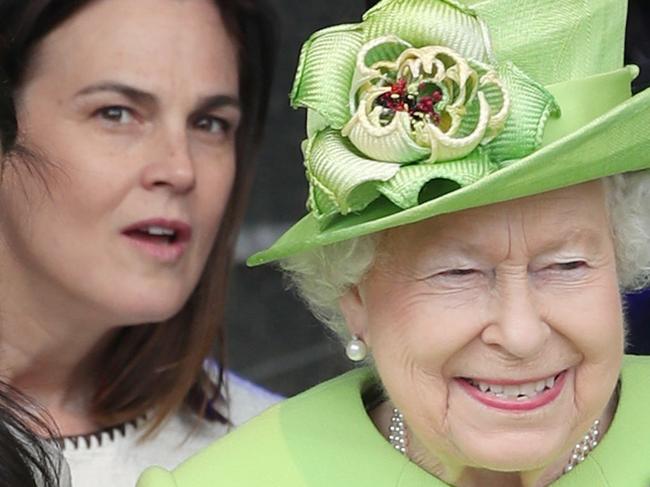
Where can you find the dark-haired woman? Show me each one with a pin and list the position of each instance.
(28, 460)
(126, 131)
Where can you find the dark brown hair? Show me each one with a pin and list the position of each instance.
(159, 366)
(27, 460)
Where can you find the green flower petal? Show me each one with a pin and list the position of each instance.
(392, 143)
(499, 100)
(325, 69)
(315, 123)
(430, 23)
(487, 115)
(388, 48)
(342, 181)
(383, 49)
(530, 107)
(448, 148)
(320, 201)
(406, 187)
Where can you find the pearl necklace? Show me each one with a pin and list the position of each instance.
(397, 432)
(582, 449)
(398, 439)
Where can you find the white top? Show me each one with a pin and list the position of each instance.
(114, 458)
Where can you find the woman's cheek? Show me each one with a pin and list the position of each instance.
(589, 316)
(430, 329)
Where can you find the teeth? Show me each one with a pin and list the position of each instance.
(512, 391)
(160, 231)
(528, 389)
(496, 388)
(521, 392)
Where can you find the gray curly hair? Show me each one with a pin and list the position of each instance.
(322, 275)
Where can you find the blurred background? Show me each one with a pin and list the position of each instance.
(273, 339)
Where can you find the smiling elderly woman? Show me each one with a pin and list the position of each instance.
(476, 212)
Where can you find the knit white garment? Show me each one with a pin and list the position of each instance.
(115, 459)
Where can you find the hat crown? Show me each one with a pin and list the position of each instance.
(556, 40)
(548, 54)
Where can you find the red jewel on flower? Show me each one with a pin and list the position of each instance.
(395, 99)
(426, 106)
(399, 100)
(399, 87)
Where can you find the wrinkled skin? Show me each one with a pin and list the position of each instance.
(517, 291)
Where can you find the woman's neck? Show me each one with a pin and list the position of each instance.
(50, 343)
(55, 369)
(49, 348)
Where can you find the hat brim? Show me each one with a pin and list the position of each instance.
(616, 142)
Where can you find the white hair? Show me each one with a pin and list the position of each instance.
(322, 275)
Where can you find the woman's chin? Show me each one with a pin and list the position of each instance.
(513, 453)
(146, 306)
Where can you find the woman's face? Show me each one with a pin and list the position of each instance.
(135, 104)
(498, 330)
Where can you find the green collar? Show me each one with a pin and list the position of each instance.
(324, 438)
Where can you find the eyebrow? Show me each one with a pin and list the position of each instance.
(209, 103)
(138, 96)
(587, 237)
(127, 91)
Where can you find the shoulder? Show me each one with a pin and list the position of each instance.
(183, 434)
(621, 457)
(281, 437)
(246, 399)
(123, 452)
(634, 396)
(636, 367)
(310, 439)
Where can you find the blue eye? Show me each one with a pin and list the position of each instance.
(116, 114)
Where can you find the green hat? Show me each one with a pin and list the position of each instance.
(435, 106)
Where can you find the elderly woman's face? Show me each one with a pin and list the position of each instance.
(136, 104)
(497, 331)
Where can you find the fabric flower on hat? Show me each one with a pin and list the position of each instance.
(427, 104)
(410, 104)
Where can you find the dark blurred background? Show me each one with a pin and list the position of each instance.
(273, 339)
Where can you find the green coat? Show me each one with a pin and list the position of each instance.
(324, 438)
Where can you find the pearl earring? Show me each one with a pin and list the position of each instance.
(356, 349)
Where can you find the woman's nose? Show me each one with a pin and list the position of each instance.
(170, 164)
(517, 325)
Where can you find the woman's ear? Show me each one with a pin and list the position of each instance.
(355, 313)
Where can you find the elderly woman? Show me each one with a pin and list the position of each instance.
(471, 230)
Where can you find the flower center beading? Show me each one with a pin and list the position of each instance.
(419, 100)
(425, 103)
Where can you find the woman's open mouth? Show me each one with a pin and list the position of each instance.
(163, 239)
(515, 396)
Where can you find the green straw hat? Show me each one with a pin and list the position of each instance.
(434, 106)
